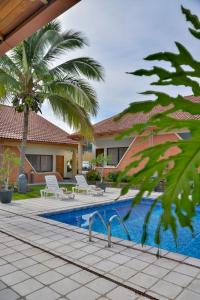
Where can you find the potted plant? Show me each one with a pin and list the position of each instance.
(9, 161)
(99, 162)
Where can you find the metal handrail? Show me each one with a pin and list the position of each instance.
(96, 213)
(124, 225)
(109, 227)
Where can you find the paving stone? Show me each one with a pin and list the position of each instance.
(49, 277)
(76, 254)
(83, 277)
(165, 263)
(2, 262)
(104, 253)
(31, 251)
(23, 263)
(83, 293)
(106, 265)
(178, 278)
(14, 277)
(8, 294)
(67, 269)
(137, 264)
(45, 293)
(193, 261)
(90, 259)
(54, 262)
(36, 269)
(195, 286)
(143, 280)
(119, 258)
(166, 289)
(188, 270)
(65, 286)
(101, 285)
(90, 248)
(121, 293)
(147, 257)
(26, 287)
(188, 295)
(123, 272)
(14, 257)
(6, 269)
(22, 247)
(156, 271)
(42, 257)
(2, 285)
(64, 249)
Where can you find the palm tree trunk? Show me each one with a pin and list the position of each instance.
(24, 140)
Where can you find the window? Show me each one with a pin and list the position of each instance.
(115, 155)
(87, 147)
(185, 135)
(41, 163)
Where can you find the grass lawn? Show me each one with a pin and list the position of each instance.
(35, 192)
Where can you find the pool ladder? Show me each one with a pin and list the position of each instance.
(107, 226)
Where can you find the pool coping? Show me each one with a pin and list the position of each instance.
(187, 260)
(100, 239)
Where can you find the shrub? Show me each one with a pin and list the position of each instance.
(112, 176)
(93, 175)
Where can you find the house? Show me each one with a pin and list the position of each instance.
(50, 150)
(121, 151)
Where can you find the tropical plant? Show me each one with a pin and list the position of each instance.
(31, 74)
(9, 162)
(180, 172)
(93, 175)
(99, 162)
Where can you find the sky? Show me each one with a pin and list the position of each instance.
(121, 34)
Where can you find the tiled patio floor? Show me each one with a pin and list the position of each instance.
(44, 259)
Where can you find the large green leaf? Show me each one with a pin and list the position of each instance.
(180, 172)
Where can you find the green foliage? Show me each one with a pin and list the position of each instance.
(99, 162)
(28, 78)
(113, 177)
(9, 161)
(181, 171)
(93, 175)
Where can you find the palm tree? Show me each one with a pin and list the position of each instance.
(31, 74)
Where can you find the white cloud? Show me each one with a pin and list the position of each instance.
(121, 34)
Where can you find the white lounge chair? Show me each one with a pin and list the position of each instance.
(52, 187)
(82, 185)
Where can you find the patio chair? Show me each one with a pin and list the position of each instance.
(82, 185)
(52, 187)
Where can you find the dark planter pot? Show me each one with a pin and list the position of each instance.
(101, 185)
(5, 196)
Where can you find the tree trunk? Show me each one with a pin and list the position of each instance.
(24, 140)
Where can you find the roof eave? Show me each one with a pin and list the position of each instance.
(45, 14)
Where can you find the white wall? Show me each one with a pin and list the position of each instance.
(109, 142)
(51, 150)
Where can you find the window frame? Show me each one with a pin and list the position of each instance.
(40, 162)
(118, 154)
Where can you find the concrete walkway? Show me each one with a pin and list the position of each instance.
(47, 259)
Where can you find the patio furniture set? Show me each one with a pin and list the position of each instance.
(52, 188)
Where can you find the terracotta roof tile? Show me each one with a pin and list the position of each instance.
(110, 126)
(40, 130)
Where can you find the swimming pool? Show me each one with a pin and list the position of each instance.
(187, 244)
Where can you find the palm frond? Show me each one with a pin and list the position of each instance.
(81, 66)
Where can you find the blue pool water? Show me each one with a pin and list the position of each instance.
(187, 244)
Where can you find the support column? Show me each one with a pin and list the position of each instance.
(105, 155)
(74, 162)
(80, 158)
